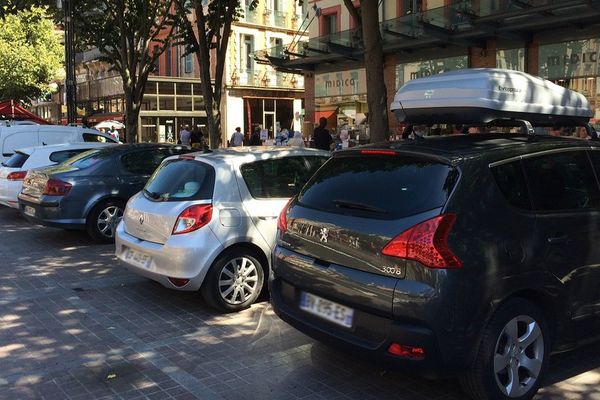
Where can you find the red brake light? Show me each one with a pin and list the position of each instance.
(16, 176)
(379, 152)
(186, 157)
(54, 187)
(417, 353)
(427, 243)
(193, 218)
(282, 220)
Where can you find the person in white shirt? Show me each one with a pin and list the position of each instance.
(296, 140)
(237, 139)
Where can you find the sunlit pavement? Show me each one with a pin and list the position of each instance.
(76, 325)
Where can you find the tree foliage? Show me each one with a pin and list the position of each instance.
(130, 35)
(30, 54)
(205, 33)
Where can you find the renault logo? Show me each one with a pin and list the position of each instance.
(142, 219)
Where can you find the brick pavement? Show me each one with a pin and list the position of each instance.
(76, 325)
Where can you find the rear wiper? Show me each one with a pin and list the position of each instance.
(153, 195)
(358, 206)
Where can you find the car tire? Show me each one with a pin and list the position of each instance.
(102, 221)
(516, 341)
(234, 281)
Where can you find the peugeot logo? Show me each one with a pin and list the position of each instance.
(323, 235)
(142, 219)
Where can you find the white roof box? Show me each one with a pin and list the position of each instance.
(481, 95)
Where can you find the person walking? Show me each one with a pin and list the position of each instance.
(185, 136)
(321, 136)
(255, 137)
(237, 139)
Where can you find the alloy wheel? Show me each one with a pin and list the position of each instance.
(518, 356)
(108, 219)
(238, 280)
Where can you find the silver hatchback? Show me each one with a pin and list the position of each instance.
(207, 221)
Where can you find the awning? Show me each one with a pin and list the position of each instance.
(10, 109)
(327, 112)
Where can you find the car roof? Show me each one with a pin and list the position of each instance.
(64, 146)
(254, 153)
(492, 146)
(126, 148)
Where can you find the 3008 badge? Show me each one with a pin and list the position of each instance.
(395, 270)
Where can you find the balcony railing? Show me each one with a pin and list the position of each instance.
(251, 16)
(269, 78)
(96, 89)
(280, 18)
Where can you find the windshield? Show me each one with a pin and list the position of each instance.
(178, 180)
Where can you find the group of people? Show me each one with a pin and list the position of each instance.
(193, 138)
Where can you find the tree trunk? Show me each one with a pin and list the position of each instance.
(376, 90)
(132, 111)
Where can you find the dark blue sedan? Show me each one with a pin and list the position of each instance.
(89, 191)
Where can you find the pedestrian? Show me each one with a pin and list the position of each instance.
(237, 138)
(255, 137)
(296, 140)
(185, 136)
(114, 133)
(321, 136)
(196, 138)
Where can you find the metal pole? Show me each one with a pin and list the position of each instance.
(70, 84)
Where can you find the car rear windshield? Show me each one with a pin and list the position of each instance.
(16, 160)
(383, 187)
(181, 180)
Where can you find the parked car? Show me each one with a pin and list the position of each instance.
(208, 220)
(13, 170)
(473, 255)
(90, 190)
(21, 136)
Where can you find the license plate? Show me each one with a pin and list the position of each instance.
(136, 258)
(326, 309)
(29, 211)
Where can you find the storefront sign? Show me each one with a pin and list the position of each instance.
(340, 83)
(421, 69)
(570, 59)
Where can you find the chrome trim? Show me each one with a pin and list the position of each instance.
(541, 153)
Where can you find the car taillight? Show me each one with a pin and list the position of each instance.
(282, 220)
(379, 152)
(426, 243)
(193, 218)
(54, 187)
(16, 176)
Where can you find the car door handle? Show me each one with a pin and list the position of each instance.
(562, 239)
(268, 218)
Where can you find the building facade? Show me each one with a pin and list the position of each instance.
(554, 39)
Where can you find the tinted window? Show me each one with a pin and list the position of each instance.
(146, 161)
(562, 181)
(279, 178)
(88, 158)
(60, 156)
(181, 180)
(511, 181)
(92, 137)
(16, 160)
(379, 186)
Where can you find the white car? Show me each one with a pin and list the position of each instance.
(13, 170)
(208, 220)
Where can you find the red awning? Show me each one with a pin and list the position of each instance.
(10, 109)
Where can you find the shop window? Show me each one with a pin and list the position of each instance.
(511, 59)
(406, 7)
(189, 64)
(184, 89)
(184, 103)
(167, 103)
(166, 88)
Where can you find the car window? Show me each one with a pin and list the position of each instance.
(60, 156)
(353, 185)
(144, 162)
(562, 181)
(16, 160)
(88, 158)
(178, 180)
(279, 178)
(93, 137)
(511, 181)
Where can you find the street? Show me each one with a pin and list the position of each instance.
(74, 324)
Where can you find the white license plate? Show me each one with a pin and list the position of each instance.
(136, 258)
(28, 210)
(326, 309)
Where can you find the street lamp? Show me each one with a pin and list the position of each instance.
(70, 84)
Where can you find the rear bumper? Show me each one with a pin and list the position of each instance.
(9, 190)
(285, 299)
(183, 256)
(49, 213)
